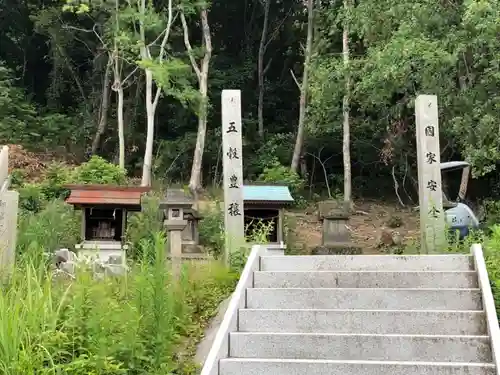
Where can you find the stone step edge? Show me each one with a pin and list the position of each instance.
(383, 289)
(409, 256)
(372, 310)
(361, 362)
(390, 335)
(471, 272)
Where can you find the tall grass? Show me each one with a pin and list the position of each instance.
(135, 324)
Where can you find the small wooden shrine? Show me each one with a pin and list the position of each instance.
(266, 203)
(104, 217)
(178, 205)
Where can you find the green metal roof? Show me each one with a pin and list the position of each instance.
(267, 193)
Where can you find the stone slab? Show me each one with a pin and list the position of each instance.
(367, 298)
(365, 279)
(237, 366)
(368, 263)
(427, 348)
(421, 322)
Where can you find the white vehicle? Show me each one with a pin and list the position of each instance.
(459, 216)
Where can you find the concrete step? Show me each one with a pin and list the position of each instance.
(367, 263)
(363, 321)
(237, 366)
(366, 298)
(365, 279)
(360, 347)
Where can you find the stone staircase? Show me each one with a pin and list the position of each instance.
(363, 315)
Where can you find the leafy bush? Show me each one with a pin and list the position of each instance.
(492, 255)
(56, 226)
(211, 230)
(278, 173)
(491, 212)
(143, 225)
(98, 171)
(33, 197)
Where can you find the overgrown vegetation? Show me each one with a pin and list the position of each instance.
(130, 325)
(143, 323)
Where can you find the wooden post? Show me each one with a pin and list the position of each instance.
(432, 223)
(232, 155)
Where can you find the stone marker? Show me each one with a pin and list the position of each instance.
(336, 238)
(432, 223)
(232, 155)
(9, 201)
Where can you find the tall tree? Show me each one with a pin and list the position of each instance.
(152, 95)
(201, 72)
(260, 66)
(299, 141)
(346, 130)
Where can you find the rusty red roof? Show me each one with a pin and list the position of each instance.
(128, 196)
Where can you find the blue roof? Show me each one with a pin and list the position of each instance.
(267, 193)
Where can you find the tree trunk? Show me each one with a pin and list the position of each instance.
(260, 71)
(346, 153)
(121, 126)
(299, 142)
(150, 133)
(195, 180)
(103, 121)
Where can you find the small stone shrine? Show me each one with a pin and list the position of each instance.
(178, 209)
(266, 204)
(104, 219)
(336, 238)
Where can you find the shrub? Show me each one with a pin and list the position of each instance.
(278, 173)
(98, 171)
(143, 225)
(211, 229)
(55, 226)
(33, 197)
(492, 255)
(491, 212)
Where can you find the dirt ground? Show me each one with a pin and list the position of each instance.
(366, 226)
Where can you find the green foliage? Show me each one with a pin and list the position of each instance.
(98, 171)
(51, 326)
(492, 255)
(211, 230)
(17, 116)
(34, 197)
(142, 226)
(53, 227)
(278, 173)
(492, 212)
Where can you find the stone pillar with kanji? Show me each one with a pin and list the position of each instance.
(432, 222)
(232, 152)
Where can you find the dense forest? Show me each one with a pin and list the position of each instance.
(139, 82)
